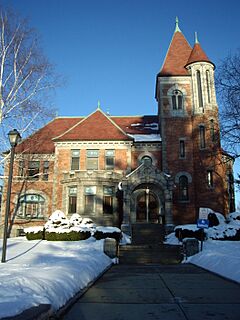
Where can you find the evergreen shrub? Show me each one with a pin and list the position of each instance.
(35, 235)
(67, 236)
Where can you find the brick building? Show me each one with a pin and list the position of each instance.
(122, 170)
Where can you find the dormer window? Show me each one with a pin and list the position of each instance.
(177, 100)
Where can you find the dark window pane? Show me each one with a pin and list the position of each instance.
(199, 87)
(183, 188)
(45, 170)
(72, 204)
(208, 86)
(107, 204)
(182, 149)
(75, 159)
(180, 104)
(33, 170)
(202, 137)
(174, 102)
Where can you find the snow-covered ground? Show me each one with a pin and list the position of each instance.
(51, 272)
(221, 257)
(47, 272)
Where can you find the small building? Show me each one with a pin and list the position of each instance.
(120, 170)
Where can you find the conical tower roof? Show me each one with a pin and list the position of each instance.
(197, 54)
(177, 55)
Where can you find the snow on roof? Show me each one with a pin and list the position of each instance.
(146, 137)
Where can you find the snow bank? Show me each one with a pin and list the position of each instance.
(47, 272)
(221, 257)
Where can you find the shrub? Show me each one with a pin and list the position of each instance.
(213, 220)
(226, 232)
(35, 235)
(108, 232)
(71, 235)
(182, 233)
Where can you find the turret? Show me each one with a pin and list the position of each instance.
(201, 70)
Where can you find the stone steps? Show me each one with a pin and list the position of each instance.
(144, 233)
(150, 254)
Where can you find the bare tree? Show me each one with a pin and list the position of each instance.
(26, 78)
(228, 88)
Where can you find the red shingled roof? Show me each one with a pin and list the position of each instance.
(177, 56)
(41, 140)
(97, 126)
(197, 55)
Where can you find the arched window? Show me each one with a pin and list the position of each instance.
(208, 86)
(183, 188)
(31, 206)
(147, 160)
(199, 88)
(177, 100)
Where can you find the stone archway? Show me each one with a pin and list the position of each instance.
(159, 184)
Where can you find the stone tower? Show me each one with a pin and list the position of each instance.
(188, 120)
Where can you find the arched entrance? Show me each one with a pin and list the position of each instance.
(147, 207)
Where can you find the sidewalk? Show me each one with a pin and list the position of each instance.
(166, 292)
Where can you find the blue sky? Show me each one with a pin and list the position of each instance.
(111, 50)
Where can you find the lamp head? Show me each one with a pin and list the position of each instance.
(14, 137)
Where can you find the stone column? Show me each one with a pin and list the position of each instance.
(168, 210)
(126, 226)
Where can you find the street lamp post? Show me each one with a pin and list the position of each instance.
(14, 138)
(147, 203)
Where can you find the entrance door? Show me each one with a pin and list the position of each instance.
(145, 204)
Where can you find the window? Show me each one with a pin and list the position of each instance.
(107, 200)
(202, 137)
(45, 170)
(92, 159)
(177, 100)
(31, 206)
(199, 89)
(90, 199)
(33, 170)
(182, 148)
(146, 160)
(231, 194)
(212, 131)
(72, 200)
(210, 178)
(183, 188)
(21, 166)
(208, 86)
(75, 159)
(109, 159)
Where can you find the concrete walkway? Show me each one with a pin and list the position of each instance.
(164, 292)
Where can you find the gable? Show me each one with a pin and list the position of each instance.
(97, 126)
